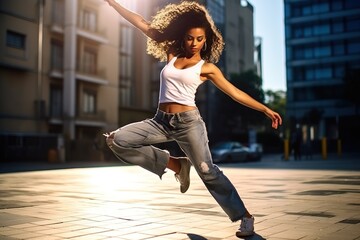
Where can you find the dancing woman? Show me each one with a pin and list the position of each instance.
(184, 35)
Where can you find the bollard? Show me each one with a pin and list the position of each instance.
(323, 148)
(286, 149)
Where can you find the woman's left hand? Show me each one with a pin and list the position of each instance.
(275, 118)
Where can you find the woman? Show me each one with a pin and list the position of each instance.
(185, 36)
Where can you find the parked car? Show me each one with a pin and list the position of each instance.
(229, 152)
(232, 151)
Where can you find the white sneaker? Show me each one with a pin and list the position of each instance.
(246, 227)
(184, 175)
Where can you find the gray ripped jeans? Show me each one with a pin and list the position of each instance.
(133, 144)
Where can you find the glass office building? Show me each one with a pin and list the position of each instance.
(322, 65)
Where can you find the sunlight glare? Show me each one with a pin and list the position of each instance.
(109, 180)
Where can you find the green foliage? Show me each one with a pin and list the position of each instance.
(276, 100)
(235, 116)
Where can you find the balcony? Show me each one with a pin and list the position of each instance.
(92, 35)
(97, 119)
(87, 27)
(89, 73)
(82, 30)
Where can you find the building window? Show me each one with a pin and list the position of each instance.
(125, 93)
(338, 48)
(353, 47)
(351, 4)
(308, 53)
(298, 32)
(322, 51)
(337, 26)
(306, 10)
(57, 55)
(339, 70)
(15, 40)
(88, 20)
(321, 29)
(321, 7)
(125, 39)
(352, 24)
(58, 12)
(125, 79)
(89, 106)
(308, 31)
(309, 74)
(89, 61)
(125, 67)
(298, 75)
(56, 99)
(323, 72)
(336, 5)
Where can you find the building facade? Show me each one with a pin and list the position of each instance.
(322, 58)
(73, 69)
(234, 19)
(70, 70)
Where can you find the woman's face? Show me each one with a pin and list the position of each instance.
(194, 40)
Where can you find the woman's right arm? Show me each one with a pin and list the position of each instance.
(135, 19)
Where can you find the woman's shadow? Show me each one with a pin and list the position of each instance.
(198, 237)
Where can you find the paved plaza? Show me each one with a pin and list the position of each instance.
(289, 200)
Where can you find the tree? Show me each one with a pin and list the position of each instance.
(276, 100)
(236, 117)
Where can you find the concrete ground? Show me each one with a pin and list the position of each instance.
(307, 200)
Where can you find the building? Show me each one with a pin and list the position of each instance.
(234, 19)
(138, 72)
(239, 37)
(258, 56)
(323, 62)
(68, 74)
(73, 69)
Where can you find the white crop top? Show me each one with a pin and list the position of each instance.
(179, 85)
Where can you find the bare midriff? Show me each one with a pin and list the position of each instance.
(175, 107)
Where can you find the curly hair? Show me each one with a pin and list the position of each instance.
(171, 24)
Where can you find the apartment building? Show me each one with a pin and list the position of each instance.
(239, 37)
(73, 69)
(69, 71)
(234, 19)
(322, 53)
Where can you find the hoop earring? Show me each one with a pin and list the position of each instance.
(204, 47)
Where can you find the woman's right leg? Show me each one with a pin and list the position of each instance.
(132, 144)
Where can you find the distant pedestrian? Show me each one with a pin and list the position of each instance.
(296, 144)
(184, 35)
(308, 149)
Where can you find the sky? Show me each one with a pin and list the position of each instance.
(269, 25)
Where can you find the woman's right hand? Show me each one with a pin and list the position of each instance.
(275, 118)
(136, 20)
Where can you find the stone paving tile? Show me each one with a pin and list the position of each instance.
(27, 235)
(4, 237)
(127, 203)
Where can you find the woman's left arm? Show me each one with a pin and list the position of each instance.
(213, 73)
